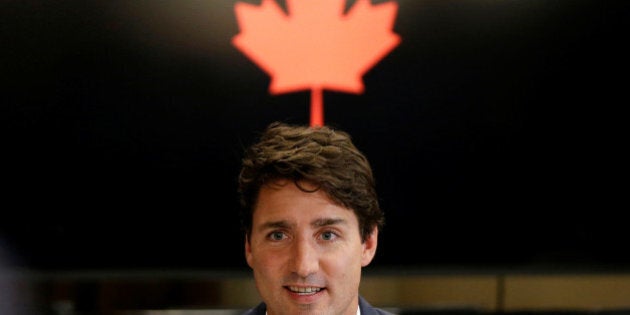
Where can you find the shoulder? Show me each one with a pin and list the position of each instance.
(367, 309)
(261, 309)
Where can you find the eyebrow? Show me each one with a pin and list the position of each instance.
(315, 223)
(328, 221)
(275, 225)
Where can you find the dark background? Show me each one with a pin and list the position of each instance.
(494, 130)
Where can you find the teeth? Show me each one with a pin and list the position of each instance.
(305, 290)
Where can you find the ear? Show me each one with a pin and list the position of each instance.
(248, 251)
(369, 248)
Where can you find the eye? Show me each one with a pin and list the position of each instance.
(328, 236)
(276, 236)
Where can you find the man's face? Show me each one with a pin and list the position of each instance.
(306, 252)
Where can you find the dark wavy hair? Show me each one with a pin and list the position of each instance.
(322, 156)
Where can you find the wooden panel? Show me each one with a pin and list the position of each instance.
(577, 292)
(434, 292)
(239, 293)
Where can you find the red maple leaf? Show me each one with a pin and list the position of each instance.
(315, 46)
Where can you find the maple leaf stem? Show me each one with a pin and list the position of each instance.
(317, 107)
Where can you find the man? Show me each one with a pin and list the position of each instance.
(311, 219)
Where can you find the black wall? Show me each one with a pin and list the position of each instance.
(494, 130)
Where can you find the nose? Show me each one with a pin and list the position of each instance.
(305, 258)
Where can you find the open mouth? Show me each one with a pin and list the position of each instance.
(304, 290)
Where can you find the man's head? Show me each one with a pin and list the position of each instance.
(311, 219)
(319, 155)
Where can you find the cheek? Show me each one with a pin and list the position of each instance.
(342, 263)
(266, 261)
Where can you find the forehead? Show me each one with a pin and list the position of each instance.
(284, 201)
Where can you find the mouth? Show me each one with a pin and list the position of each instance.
(304, 290)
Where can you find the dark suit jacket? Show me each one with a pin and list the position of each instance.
(366, 309)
